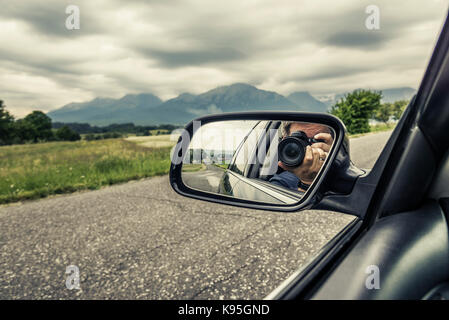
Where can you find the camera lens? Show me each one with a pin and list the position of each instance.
(291, 151)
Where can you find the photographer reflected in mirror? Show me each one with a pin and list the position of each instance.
(302, 151)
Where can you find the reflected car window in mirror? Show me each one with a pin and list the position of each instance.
(265, 161)
(246, 149)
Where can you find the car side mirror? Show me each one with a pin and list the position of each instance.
(281, 161)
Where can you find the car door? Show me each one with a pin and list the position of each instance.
(400, 249)
(397, 247)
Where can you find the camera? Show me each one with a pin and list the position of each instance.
(292, 149)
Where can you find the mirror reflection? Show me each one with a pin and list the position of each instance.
(265, 161)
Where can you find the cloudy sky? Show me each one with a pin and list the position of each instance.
(167, 47)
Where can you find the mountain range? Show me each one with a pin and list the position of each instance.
(148, 109)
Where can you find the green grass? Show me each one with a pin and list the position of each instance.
(153, 141)
(38, 170)
(223, 166)
(161, 131)
(188, 167)
(375, 128)
(382, 127)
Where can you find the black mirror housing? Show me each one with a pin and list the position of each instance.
(337, 176)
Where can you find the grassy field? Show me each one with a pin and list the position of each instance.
(189, 167)
(382, 127)
(161, 141)
(375, 128)
(38, 170)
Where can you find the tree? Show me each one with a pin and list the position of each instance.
(6, 123)
(383, 113)
(66, 134)
(356, 108)
(41, 124)
(398, 108)
(23, 131)
(89, 137)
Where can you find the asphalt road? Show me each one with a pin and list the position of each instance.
(140, 240)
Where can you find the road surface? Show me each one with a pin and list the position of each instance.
(140, 240)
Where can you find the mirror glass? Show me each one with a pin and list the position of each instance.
(265, 161)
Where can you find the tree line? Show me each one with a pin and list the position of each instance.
(86, 128)
(356, 109)
(35, 127)
(38, 127)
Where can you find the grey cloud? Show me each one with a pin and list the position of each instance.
(21, 94)
(182, 58)
(144, 45)
(364, 39)
(152, 3)
(204, 34)
(49, 18)
(62, 71)
(39, 65)
(334, 72)
(192, 38)
(346, 28)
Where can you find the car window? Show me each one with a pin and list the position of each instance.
(247, 148)
(270, 163)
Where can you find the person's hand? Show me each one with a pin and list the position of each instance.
(311, 165)
(326, 145)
